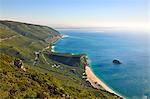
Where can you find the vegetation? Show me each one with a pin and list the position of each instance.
(33, 83)
(56, 75)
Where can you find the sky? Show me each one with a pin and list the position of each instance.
(78, 13)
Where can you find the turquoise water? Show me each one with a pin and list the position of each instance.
(131, 78)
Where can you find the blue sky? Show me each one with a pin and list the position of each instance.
(78, 13)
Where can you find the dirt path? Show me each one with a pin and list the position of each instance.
(45, 59)
(38, 53)
(7, 38)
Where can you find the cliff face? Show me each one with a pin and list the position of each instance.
(76, 62)
(47, 74)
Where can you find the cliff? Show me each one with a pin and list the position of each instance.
(47, 74)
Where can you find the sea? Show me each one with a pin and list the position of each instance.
(130, 79)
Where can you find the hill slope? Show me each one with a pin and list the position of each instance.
(54, 74)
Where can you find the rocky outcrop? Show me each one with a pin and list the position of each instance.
(18, 63)
(115, 61)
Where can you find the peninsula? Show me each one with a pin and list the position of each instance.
(29, 69)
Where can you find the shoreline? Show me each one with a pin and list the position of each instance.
(52, 48)
(91, 77)
(97, 82)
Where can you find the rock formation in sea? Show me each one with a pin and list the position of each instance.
(115, 61)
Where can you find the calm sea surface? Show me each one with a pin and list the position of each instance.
(132, 77)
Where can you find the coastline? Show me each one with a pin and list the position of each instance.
(53, 44)
(52, 48)
(91, 77)
(96, 82)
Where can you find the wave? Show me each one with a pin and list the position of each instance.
(65, 36)
(68, 36)
(53, 48)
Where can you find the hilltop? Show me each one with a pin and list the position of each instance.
(48, 74)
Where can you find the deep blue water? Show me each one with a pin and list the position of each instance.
(132, 77)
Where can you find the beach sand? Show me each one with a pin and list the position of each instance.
(96, 82)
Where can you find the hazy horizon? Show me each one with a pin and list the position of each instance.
(122, 14)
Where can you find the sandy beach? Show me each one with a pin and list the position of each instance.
(96, 82)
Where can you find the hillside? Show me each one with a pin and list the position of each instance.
(47, 74)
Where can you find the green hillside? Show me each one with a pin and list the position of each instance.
(46, 74)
